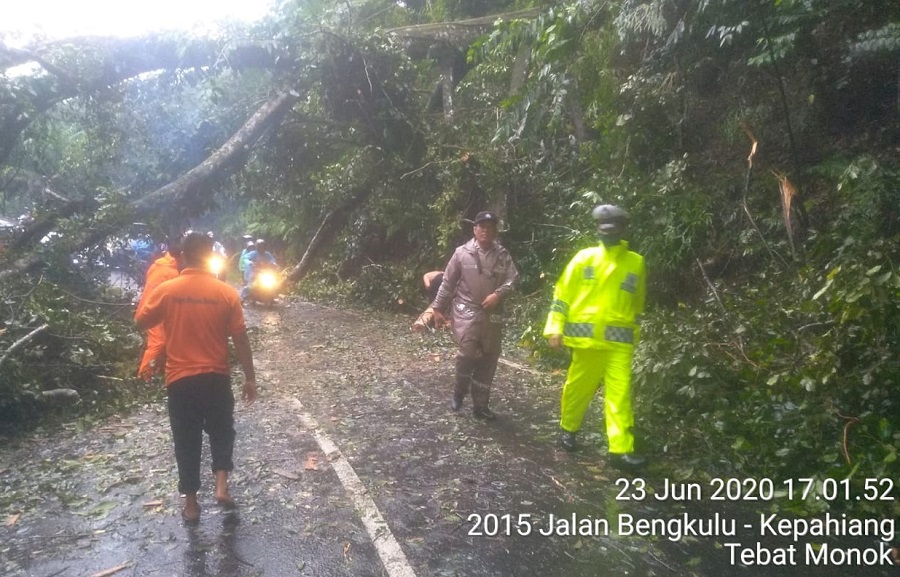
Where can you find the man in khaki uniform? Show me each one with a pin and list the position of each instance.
(476, 281)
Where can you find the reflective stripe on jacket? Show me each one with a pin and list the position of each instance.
(599, 298)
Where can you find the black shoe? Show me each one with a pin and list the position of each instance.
(483, 413)
(627, 461)
(568, 440)
(456, 403)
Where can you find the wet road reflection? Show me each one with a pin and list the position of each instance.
(216, 557)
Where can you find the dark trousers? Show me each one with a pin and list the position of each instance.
(478, 375)
(196, 404)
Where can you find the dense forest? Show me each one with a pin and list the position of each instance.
(755, 144)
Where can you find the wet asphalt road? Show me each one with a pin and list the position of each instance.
(345, 390)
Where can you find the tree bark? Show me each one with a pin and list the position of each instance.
(227, 157)
(333, 222)
(223, 160)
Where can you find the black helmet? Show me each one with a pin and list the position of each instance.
(610, 219)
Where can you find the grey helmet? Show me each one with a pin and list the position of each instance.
(611, 220)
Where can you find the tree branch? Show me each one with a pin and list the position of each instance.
(21, 342)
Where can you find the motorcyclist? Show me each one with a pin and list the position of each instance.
(258, 258)
(249, 247)
(219, 258)
(218, 247)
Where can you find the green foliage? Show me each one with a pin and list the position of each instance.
(788, 374)
(882, 41)
(89, 346)
(541, 103)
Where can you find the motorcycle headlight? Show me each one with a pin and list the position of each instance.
(267, 279)
(216, 264)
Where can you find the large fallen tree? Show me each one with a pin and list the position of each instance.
(65, 75)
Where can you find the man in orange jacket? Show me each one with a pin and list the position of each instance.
(201, 314)
(164, 268)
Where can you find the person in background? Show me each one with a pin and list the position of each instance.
(256, 258)
(242, 260)
(476, 280)
(200, 313)
(432, 281)
(218, 247)
(164, 268)
(596, 309)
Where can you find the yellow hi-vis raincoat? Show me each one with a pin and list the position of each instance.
(596, 307)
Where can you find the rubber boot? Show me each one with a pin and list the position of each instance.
(464, 369)
(483, 377)
(568, 440)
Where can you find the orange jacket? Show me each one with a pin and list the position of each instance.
(163, 269)
(200, 313)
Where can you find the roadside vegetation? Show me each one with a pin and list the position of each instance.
(754, 143)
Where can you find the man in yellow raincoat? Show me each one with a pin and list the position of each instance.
(595, 312)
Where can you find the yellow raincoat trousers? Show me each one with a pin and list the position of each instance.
(596, 306)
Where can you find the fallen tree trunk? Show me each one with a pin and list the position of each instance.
(227, 157)
(333, 222)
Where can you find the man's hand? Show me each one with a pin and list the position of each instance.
(155, 366)
(249, 392)
(490, 301)
(439, 320)
(555, 341)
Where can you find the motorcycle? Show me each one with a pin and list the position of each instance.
(265, 285)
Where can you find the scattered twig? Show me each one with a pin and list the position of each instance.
(423, 167)
(112, 570)
(661, 562)
(21, 342)
(519, 367)
(711, 286)
(739, 340)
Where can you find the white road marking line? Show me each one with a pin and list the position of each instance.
(392, 556)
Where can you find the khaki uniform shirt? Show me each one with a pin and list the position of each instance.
(470, 276)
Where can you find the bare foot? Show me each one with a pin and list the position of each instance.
(222, 496)
(190, 512)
